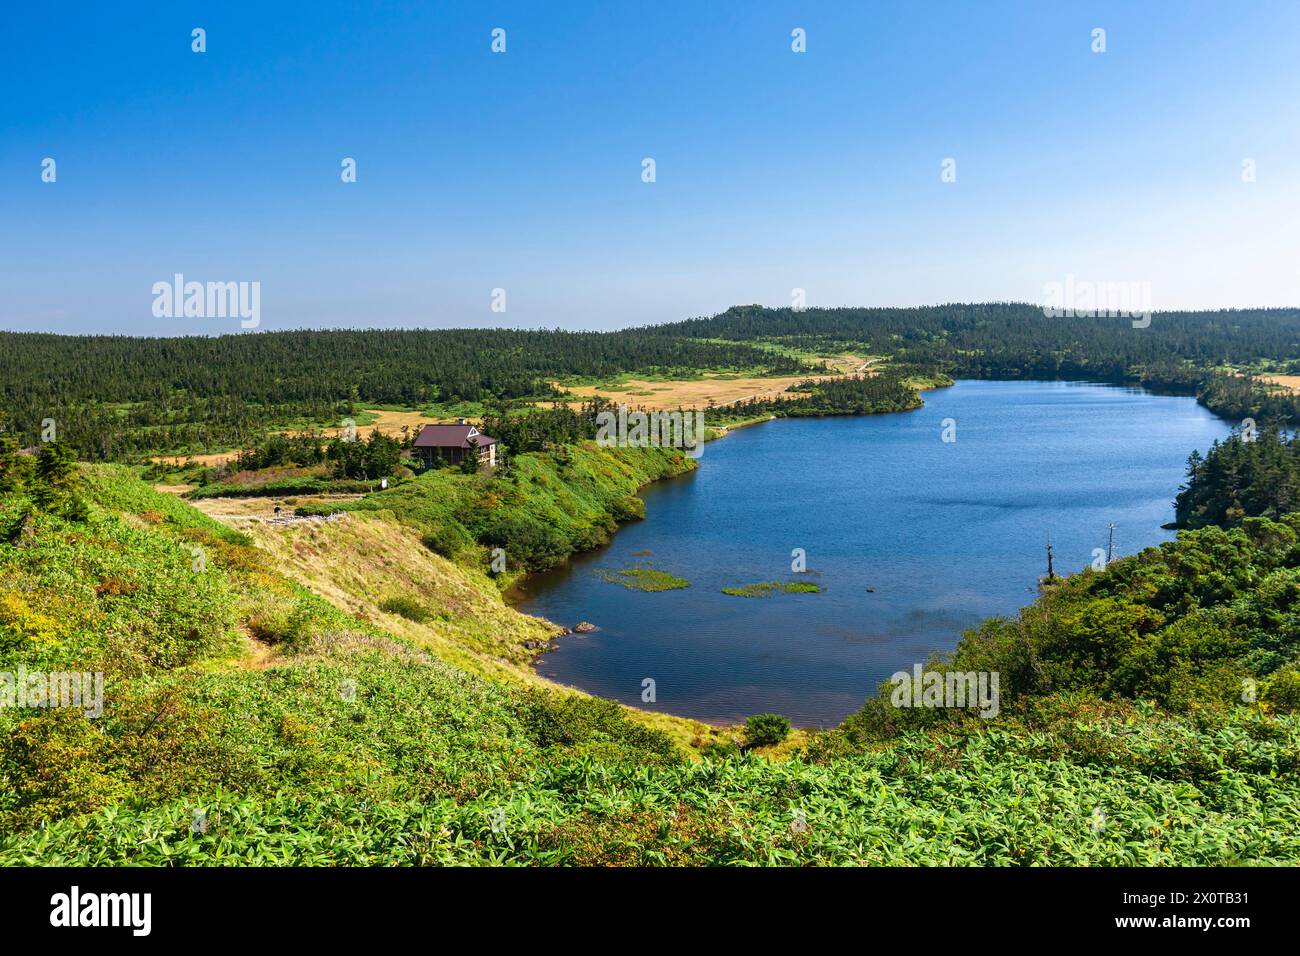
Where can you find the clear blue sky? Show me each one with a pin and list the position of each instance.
(522, 171)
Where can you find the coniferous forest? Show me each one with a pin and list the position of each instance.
(1251, 475)
(118, 398)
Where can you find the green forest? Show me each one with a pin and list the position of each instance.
(120, 398)
(115, 397)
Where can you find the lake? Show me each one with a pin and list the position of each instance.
(911, 538)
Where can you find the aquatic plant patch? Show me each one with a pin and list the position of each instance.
(644, 579)
(768, 588)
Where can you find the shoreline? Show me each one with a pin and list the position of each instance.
(513, 595)
(517, 596)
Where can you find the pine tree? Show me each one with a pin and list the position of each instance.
(469, 464)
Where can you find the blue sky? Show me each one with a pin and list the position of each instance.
(522, 170)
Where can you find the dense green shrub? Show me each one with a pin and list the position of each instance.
(531, 542)
(589, 725)
(764, 729)
(104, 593)
(546, 507)
(627, 508)
(406, 607)
(446, 540)
(1282, 693)
(721, 750)
(1183, 624)
(1174, 791)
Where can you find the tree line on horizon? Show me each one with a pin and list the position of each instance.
(122, 398)
(115, 397)
(1189, 353)
(1009, 339)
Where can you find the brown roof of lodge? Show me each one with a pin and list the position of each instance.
(450, 436)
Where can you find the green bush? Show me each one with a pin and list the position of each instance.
(589, 725)
(1282, 692)
(291, 619)
(720, 750)
(530, 542)
(446, 540)
(406, 607)
(1182, 624)
(764, 729)
(315, 511)
(627, 508)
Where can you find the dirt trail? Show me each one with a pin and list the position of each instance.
(244, 511)
(283, 520)
(260, 656)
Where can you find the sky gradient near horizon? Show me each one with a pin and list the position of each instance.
(775, 170)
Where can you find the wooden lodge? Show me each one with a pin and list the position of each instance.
(452, 443)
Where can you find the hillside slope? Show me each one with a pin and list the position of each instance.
(248, 720)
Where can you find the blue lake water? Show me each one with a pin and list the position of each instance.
(943, 533)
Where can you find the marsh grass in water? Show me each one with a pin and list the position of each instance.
(644, 579)
(768, 588)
